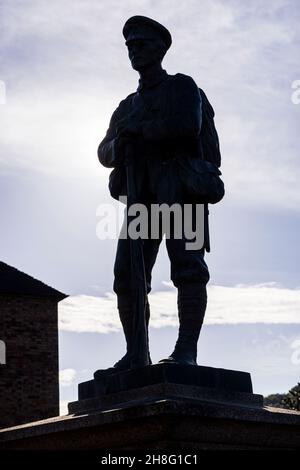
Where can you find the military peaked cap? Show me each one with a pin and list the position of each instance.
(142, 27)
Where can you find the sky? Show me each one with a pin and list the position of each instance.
(64, 69)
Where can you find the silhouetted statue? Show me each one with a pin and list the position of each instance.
(155, 136)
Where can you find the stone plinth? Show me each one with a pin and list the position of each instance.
(163, 408)
(110, 389)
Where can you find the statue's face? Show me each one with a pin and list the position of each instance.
(144, 52)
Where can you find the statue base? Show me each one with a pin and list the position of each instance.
(111, 388)
(162, 408)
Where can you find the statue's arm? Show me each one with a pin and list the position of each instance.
(109, 153)
(185, 119)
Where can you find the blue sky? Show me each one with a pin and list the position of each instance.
(65, 68)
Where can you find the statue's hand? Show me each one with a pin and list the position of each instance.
(128, 126)
(122, 142)
(128, 146)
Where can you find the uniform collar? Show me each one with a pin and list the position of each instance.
(152, 80)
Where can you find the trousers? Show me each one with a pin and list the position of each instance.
(187, 265)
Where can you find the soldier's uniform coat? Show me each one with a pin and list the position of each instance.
(169, 108)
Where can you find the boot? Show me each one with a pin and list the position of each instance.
(192, 300)
(125, 313)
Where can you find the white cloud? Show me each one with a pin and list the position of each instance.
(262, 303)
(85, 313)
(67, 377)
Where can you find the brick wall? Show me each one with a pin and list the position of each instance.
(29, 379)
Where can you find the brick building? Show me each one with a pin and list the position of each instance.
(28, 348)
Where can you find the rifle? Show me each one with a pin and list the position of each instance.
(140, 349)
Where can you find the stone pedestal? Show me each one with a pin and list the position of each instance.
(161, 381)
(163, 408)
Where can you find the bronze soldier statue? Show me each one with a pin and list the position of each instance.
(161, 124)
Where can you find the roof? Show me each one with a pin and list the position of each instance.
(13, 281)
